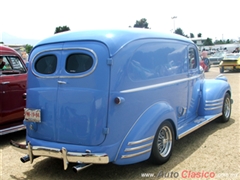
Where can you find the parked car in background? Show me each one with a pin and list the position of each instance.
(230, 62)
(116, 96)
(217, 57)
(13, 77)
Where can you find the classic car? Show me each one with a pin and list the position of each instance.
(217, 57)
(13, 78)
(116, 96)
(230, 62)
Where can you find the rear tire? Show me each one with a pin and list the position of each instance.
(163, 143)
(226, 109)
(222, 69)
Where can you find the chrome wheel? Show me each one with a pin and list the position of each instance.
(227, 107)
(164, 141)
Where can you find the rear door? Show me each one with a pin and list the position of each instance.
(76, 108)
(12, 86)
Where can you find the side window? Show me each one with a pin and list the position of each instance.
(78, 63)
(16, 64)
(156, 60)
(192, 58)
(46, 64)
(13, 63)
(7, 65)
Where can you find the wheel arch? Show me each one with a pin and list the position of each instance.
(142, 133)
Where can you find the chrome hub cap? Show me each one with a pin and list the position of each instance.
(164, 141)
(227, 107)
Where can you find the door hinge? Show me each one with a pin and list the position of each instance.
(105, 131)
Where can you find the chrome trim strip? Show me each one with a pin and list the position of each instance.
(138, 147)
(136, 154)
(12, 129)
(198, 126)
(159, 85)
(33, 151)
(213, 104)
(213, 101)
(140, 141)
(59, 49)
(213, 108)
(216, 104)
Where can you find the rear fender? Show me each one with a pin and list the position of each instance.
(137, 144)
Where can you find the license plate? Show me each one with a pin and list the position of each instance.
(33, 115)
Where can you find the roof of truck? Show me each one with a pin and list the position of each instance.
(113, 38)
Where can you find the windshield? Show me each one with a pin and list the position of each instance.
(219, 54)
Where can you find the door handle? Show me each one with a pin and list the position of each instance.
(62, 82)
(7, 82)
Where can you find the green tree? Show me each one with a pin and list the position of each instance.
(208, 42)
(228, 41)
(191, 35)
(179, 31)
(199, 35)
(28, 48)
(141, 24)
(60, 29)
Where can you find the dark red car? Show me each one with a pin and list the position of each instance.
(13, 78)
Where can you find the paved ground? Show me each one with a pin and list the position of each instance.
(211, 150)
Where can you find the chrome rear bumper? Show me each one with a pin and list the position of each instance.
(74, 157)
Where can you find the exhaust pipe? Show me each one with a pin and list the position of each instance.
(25, 158)
(80, 167)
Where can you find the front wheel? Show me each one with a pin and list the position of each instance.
(226, 109)
(163, 143)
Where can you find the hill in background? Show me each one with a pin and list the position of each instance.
(10, 39)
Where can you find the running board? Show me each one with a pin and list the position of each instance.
(12, 129)
(194, 125)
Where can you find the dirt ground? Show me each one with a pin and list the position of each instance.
(211, 152)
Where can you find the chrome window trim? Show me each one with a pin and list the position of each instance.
(83, 74)
(159, 85)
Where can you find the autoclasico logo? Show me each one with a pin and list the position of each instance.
(186, 174)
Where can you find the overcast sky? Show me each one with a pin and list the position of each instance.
(37, 19)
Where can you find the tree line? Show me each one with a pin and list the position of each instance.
(142, 23)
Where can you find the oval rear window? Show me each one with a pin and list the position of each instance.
(78, 63)
(46, 64)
